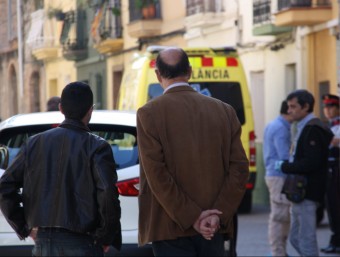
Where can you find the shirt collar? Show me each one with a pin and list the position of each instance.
(284, 121)
(176, 85)
(76, 124)
(303, 122)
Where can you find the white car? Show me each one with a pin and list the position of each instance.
(119, 129)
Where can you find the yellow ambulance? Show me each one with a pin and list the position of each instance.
(217, 72)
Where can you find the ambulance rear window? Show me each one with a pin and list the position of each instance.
(228, 92)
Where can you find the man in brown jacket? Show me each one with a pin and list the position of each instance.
(193, 168)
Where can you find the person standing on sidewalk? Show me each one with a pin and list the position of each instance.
(308, 158)
(53, 104)
(193, 167)
(332, 113)
(276, 147)
(69, 202)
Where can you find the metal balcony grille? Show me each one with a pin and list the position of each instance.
(284, 4)
(203, 6)
(74, 35)
(261, 12)
(111, 25)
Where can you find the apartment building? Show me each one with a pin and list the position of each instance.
(284, 44)
(20, 73)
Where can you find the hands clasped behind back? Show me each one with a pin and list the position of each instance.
(208, 223)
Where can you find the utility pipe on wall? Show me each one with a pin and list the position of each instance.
(20, 59)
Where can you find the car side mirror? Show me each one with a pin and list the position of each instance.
(4, 156)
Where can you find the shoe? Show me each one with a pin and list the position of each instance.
(331, 249)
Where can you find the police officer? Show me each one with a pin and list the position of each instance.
(331, 111)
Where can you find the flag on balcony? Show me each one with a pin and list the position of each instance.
(96, 22)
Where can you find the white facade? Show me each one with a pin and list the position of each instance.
(271, 74)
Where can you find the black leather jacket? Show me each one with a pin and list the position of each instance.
(310, 158)
(68, 178)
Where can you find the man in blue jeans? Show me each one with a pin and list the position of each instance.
(308, 157)
(69, 203)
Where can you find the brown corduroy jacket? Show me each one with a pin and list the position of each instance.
(191, 159)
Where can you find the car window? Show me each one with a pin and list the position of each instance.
(122, 139)
(123, 144)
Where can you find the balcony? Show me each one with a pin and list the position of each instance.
(75, 50)
(263, 22)
(303, 12)
(107, 34)
(74, 36)
(204, 13)
(42, 41)
(44, 48)
(144, 21)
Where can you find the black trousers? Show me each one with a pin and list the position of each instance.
(190, 246)
(333, 201)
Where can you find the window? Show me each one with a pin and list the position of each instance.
(203, 6)
(123, 141)
(68, 23)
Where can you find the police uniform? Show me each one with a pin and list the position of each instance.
(333, 181)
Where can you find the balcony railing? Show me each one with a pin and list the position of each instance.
(74, 35)
(261, 12)
(111, 25)
(263, 20)
(286, 4)
(41, 39)
(203, 6)
(107, 33)
(42, 42)
(303, 12)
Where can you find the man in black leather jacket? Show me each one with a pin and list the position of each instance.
(69, 203)
(308, 158)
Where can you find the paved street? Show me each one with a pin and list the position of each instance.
(253, 238)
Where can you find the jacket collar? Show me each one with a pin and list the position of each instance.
(74, 124)
(179, 89)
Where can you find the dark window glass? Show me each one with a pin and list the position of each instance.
(122, 139)
(228, 92)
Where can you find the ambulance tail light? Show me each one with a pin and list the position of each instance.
(232, 62)
(250, 186)
(128, 187)
(152, 63)
(252, 149)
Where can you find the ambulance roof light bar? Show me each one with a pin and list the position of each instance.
(154, 49)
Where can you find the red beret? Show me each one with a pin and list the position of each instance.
(330, 100)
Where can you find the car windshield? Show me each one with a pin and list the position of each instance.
(228, 92)
(122, 139)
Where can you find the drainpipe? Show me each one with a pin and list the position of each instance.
(20, 59)
(238, 24)
(302, 62)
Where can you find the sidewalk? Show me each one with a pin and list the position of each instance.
(252, 237)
